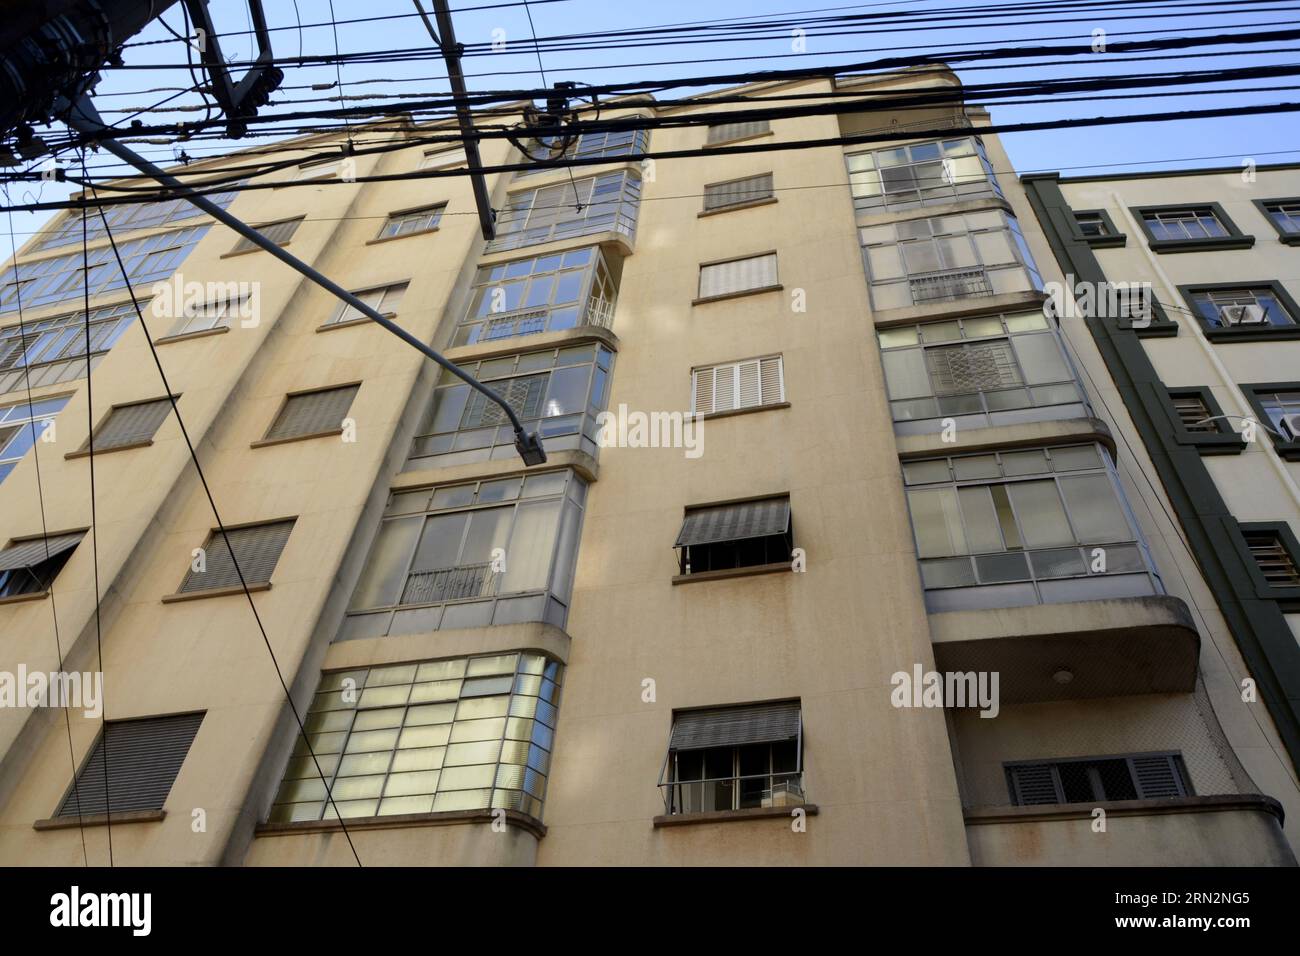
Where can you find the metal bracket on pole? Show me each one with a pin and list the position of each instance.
(237, 100)
(84, 118)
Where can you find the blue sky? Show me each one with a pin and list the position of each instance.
(1270, 138)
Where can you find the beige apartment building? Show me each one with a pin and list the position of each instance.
(852, 449)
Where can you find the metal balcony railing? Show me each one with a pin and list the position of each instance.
(949, 284)
(449, 584)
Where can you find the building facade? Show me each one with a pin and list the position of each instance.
(813, 439)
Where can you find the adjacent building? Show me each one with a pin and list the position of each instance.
(852, 449)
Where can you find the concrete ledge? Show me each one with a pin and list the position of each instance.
(455, 642)
(579, 461)
(402, 821)
(215, 592)
(732, 816)
(1028, 301)
(955, 208)
(611, 240)
(1060, 431)
(100, 819)
(1111, 647)
(1127, 808)
(532, 343)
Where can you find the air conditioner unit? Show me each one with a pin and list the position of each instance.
(1291, 426)
(1242, 314)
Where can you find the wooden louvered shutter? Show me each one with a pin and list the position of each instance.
(1159, 775)
(144, 758)
(131, 424)
(256, 548)
(702, 391)
(313, 413)
(750, 391)
(1034, 784)
(773, 376)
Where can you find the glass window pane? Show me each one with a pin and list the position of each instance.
(1040, 358)
(528, 558)
(385, 570)
(440, 542)
(1041, 516)
(981, 521)
(936, 522)
(905, 374)
(1095, 509)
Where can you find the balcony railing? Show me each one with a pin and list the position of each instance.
(449, 584)
(507, 325)
(949, 284)
(730, 793)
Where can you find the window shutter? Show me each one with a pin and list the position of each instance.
(735, 726)
(28, 554)
(736, 522)
(773, 375)
(1158, 775)
(257, 550)
(444, 159)
(751, 388)
(131, 424)
(724, 388)
(724, 132)
(312, 413)
(277, 232)
(702, 403)
(1033, 784)
(737, 192)
(738, 275)
(144, 758)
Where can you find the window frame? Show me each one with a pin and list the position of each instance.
(215, 534)
(1287, 596)
(336, 320)
(1284, 237)
(735, 294)
(709, 139)
(1111, 238)
(762, 200)
(1265, 332)
(1174, 756)
(435, 210)
(684, 575)
(62, 559)
(1288, 449)
(85, 450)
(23, 418)
(738, 409)
(1234, 238)
(1223, 440)
(245, 246)
(864, 207)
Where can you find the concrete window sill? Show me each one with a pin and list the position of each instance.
(20, 598)
(732, 573)
(401, 821)
(359, 320)
(248, 252)
(85, 452)
(186, 336)
(100, 819)
(732, 816)
(737, 295)
(405, 235)
(264, 442)
(732, 412)
(214, 592)
(734, 206)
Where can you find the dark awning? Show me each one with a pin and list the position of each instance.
(27, 554)
(734, 726)
(738, 522)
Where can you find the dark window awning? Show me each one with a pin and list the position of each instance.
(737, 522)
(28, 554)
(735, 726)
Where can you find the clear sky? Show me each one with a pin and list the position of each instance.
(1269, 138)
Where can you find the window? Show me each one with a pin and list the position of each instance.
(255, 549)
(749, 384)
(65, 277)
(1013, 528)
(1193, 412)
(310, 414)
(21, 424)
(383, 299)
(54, 350)
(1148, 776)
(558, 392)
(466, 733)
(320, 169)
(610, 144)
(540, 294)
(746, 534)
(31, 565)
(606, 203)
(417, 220)
(1097, 229)
(1189, 228)
(922, 174)
(124, 218)
(999, 367)
(1277, 408)
(1199, 421)
(734, 758)
(471, 555)
(206, 316)
(1273, 553)
(738, 192)
(1284, 214)
(924, 261)
(727, 132)
(1091, 225)
(443, 158)
(752, 274)
(1256, 310)
(130, 425)
(132, 766)
(277, 232)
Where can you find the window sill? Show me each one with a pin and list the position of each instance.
(1217, 443)
(405, 235)
(1156, 330)
(245, 252)
(20, 598)
(360, 320)
(1105, 242)
(1289, 239)
(100, 819)
(732, 816)
(1288, 450)
(1201, 245)
(734, 206)
(737, 295)
(739, 139)
(729, 413)
(85, 452)
(213, 592)
(1262, 333)
(724, 573)
(401, 821)
(264, 442)
(186, 336)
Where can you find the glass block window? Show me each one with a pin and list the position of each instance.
(922, 174)
(1184, 224)
(384, 299)
(610, 144)
(1246, 307)
(277, 232)
(54, 350)
(124, 218)
(21, 425)
(738, 275)
(417, 220)
(738, 192)
(539, 294)
(1032, 518)
(557, 392)
(466, 733)
(986, 366)
(471, 555)
(726, 132)
(65, 277)
(1285, 215)
(923, 261)
(605, 203)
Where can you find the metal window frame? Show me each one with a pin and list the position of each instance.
(433, 212)
(736, 363)
(1174, 756)
(1287, 596)
(861, 206)
(1192, 294)
(1232, 238)
(776, 274)
(1256, 395)
(1290, 237)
